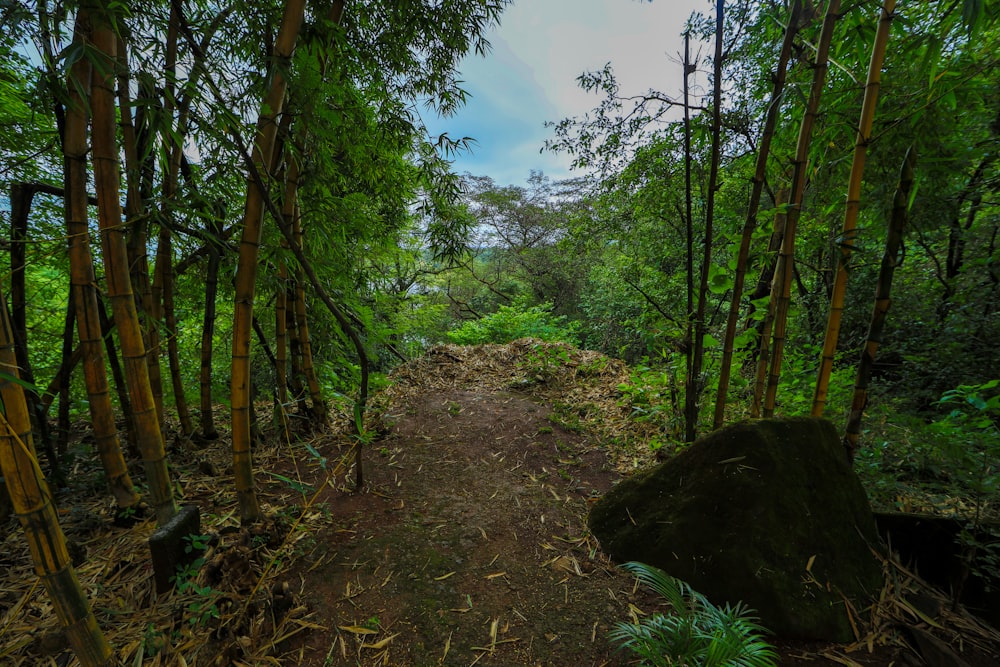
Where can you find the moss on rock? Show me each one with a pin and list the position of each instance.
(766, 512)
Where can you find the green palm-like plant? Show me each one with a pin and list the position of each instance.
(696, 633)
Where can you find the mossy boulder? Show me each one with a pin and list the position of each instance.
(767, 512)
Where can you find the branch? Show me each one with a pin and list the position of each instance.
(651, 301)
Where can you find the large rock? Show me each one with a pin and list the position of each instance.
(767, 512)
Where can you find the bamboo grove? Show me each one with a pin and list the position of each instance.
(142, 133)
(221, 204)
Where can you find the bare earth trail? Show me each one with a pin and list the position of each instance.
(469, 545)
(466, 545)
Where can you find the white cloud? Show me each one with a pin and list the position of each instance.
(529, 78)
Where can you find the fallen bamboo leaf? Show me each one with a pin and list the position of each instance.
(495, 575)
(358, 630)
(447, 646)
(444, 576)
(919, 614)
(382, 643)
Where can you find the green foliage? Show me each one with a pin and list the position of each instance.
(543, 361)
(654, 394)
(942, 464)
(695, 633)
(516, 321)
(203, 608)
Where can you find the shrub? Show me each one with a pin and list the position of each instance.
(516, 321)
(696, 633)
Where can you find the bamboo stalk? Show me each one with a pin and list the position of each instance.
(750, 224)
(890, 260)
(782, 287)
(208, 430)
(701, 326)
(138, 188)
(853, 207)
(308, 369)
(246, 271)
(281, 307)
(107, 181)
(82, 280)
(32, 501)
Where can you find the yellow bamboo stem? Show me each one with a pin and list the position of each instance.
(82, 280)
(785, 269)
(137, 223)
(107, 181)
(846, 241)
(246, 271)
(32, 502)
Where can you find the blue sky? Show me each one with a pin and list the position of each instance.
(529, 77)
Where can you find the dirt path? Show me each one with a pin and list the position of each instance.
(469, 544)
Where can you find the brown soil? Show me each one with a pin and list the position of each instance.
(467, 543)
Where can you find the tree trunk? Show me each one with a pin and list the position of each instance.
(107, 180)
(847, 233)
(82, 280)
(319, 411)
(64, 374)
(782, 285)
(121, 388)
(701, 326)
(208, 430)
(173, 148)
(246, 272)
(281, 328)
(690, 382)
(750, 224)
(295, 375)
(32, 501)
(764, 286)
(22, 195)
(890, 260)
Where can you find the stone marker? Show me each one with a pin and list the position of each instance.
(167, 546)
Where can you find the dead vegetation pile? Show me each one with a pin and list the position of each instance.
(584, 388)
(235, 609)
